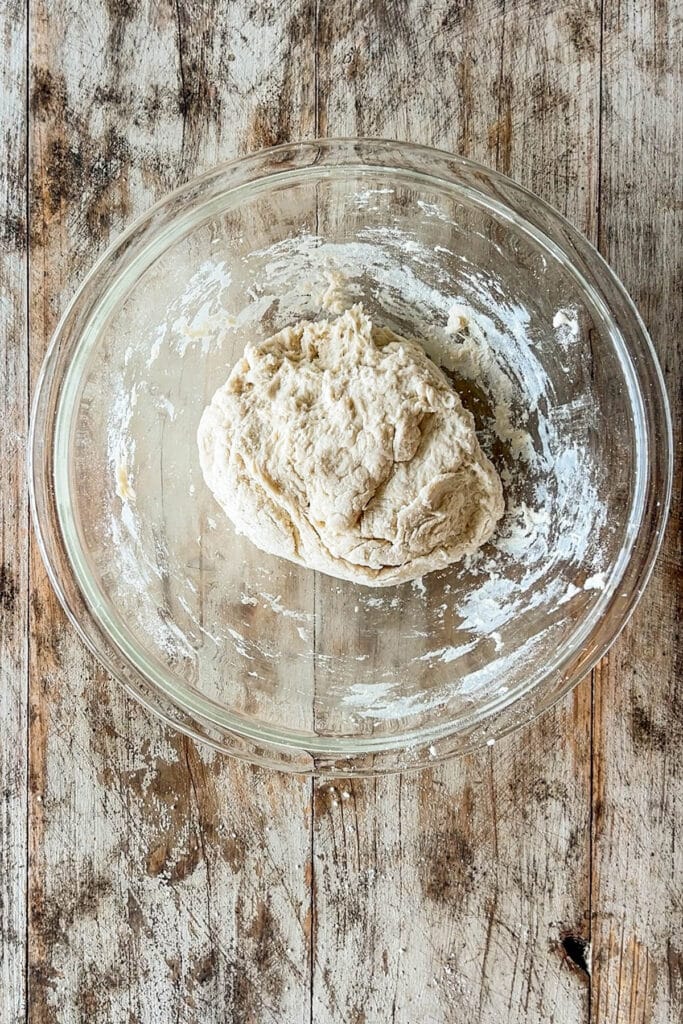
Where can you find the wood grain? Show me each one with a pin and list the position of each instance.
(166, 883)
(637, 887)
(13, 514)
(538, 881)
(461, 890)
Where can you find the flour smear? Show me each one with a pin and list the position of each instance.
(462, 631)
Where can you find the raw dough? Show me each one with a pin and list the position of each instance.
(341, 446)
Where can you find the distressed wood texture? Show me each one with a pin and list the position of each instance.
(13, 514)
(637, 888)
(456, 888)
(537, 881)
(166, 884)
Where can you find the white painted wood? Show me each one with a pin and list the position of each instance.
(637, 886)
(454, 889)
(167, 883)
(13, 515)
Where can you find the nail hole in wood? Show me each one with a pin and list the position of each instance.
(578, 951)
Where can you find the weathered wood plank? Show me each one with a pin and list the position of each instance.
(13, 514)
(166, 883)
(447, 896)
(638, 857)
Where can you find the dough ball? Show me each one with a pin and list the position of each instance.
(341, 446)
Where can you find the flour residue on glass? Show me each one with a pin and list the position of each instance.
(462, 631)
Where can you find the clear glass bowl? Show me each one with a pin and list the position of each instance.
(267, 660)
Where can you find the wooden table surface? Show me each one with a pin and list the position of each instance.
(143, 879)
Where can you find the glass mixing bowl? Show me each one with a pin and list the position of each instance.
(270, 661)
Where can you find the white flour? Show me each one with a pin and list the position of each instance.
(543, 558)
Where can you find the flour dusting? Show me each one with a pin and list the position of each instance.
(464, 634)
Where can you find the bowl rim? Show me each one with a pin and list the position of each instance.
(387, 753)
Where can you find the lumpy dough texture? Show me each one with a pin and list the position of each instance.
(341, 446)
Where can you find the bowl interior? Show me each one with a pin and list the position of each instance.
(274, 647)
